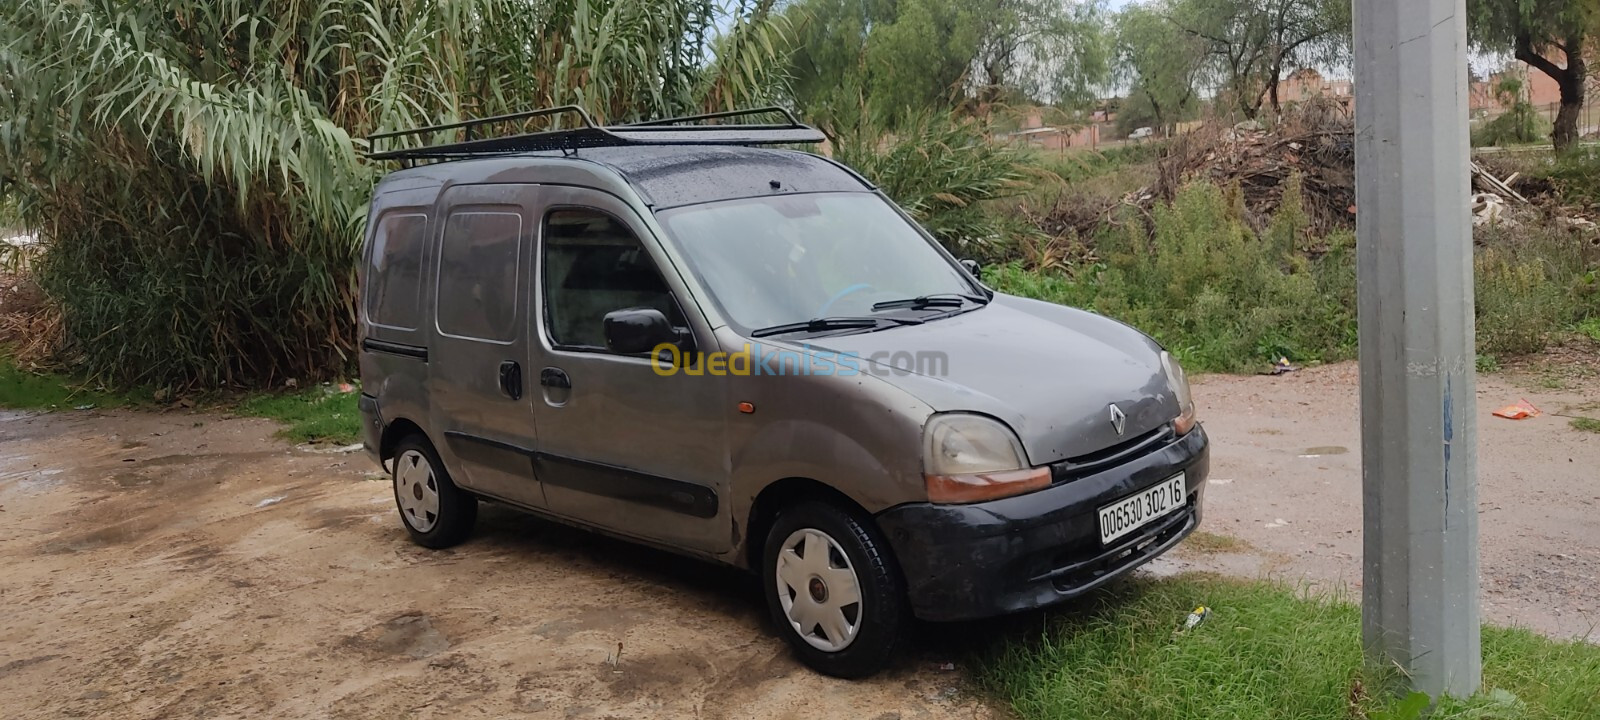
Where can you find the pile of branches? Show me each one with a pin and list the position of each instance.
(1317, 141)
(30, 328)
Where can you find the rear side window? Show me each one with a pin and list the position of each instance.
(394, 274)
(479, 261)
(593, 264)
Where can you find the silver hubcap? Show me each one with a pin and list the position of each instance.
(416, 490)
(818, 590)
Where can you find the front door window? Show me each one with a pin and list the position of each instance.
(593, 265)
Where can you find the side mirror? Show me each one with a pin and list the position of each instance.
(636, 331)
(973, 268)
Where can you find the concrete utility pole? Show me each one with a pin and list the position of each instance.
(1418, 381)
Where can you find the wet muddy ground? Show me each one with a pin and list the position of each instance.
(189, 566)
(185, 565)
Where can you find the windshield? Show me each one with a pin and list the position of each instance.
(783, 259)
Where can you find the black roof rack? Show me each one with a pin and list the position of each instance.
(667, 131)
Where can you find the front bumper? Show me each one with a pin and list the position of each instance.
(1019, 553)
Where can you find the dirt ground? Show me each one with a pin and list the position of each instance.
(183, 565)
(1286, 480)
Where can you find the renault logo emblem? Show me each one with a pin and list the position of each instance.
(1119, 420)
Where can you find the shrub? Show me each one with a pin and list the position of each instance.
(943, 170)
(1575, 175)
(1219, 295)
(1226, 299)
(1518, 126)
(1533, 282)
(1074, 166)
(1521, 125)
(195, 165)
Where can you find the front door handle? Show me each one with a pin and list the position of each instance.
(555, 378)
(511, 379)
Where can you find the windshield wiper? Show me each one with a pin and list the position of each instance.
(931, 301)
(830, 323)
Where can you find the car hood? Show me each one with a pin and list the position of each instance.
(1050, 372)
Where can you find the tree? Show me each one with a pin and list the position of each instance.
(1254, 42)
(1539, 33)
(1163, 66)
(897, 59)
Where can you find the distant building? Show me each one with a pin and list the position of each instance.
(1538, 89)
(1035, 133)
(1307, 83)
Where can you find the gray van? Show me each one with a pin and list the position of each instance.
(674, 334)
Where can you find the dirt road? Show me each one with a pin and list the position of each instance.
(191, 566)
(1286, 479)
(176, 565)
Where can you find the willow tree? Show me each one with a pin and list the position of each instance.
(904, 59)
(1551, 36)
(1255, 43)
(1163, 66)
(196, 165)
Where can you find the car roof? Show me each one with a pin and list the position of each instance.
(665, 176)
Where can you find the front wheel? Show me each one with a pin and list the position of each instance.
(834, 590)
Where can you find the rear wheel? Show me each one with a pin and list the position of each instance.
(834, 590)
(436, 513)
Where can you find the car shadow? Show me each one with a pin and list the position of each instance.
(737, 594)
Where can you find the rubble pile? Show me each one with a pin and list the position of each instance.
(1318, 142)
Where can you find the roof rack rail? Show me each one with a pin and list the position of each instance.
(589, 134)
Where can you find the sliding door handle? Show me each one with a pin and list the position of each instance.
(511, 379)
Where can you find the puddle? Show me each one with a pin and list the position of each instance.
(1163, 566)
(117, 534)
(132, 480)
(32, 481)
(1316, 452)
(410, 635)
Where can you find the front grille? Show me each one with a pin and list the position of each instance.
(1102, 460)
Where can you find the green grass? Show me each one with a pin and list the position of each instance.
(1080, 165)
(320, 414)
(1266, 651)
(1209, 543)
(1551, 382)
(1590, 328)
(21, 389)
(1586, 424)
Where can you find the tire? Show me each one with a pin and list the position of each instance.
(816, 619)
(436, 513)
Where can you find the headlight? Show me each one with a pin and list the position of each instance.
(1179, 383)
(970, 458)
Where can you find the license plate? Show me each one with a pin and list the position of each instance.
(1135, 511)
